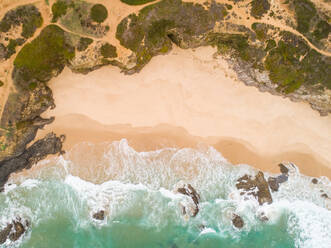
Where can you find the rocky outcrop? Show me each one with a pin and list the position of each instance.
(100, 215)
(257, 187)
(188, 190)
(51, 144)
(14, 230)
(237, 221)
(274, 182)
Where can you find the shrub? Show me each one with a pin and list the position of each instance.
(259, 8)
(59, 9)
(1, 83)
(108, 51)
(99, 13)
(84, 43)
(136, 2)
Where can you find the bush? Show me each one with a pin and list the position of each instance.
(259, 8)
(1, 83)
(84, 43)
(59, 9)
(108, 51)
(99, 13)
(136, 2)
(43, 57)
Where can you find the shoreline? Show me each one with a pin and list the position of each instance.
(165, 105)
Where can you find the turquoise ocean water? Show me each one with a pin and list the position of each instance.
(137, 192)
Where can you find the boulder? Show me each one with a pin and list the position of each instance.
(283, 169)
(188, 190)
(4, 233)
(257, 186)
(100, 215)
(314, 181)
(13, 231)
(274, 182)
(237, 221)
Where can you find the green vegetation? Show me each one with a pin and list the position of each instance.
(261, 30)
(99, 13)
(322, 30)
(270, 45)
(157, 26)
(311, 23)
(290, 71)
(59, 8)
(305, 11)
(259, 8)
(84, 43)
(43, 58)
(108, 51)
(136, 2)
(27, 15)
(236, 45)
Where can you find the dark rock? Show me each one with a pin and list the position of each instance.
(283, 169)
(191, 192)
(4, 233)
(314, 181)
(263, 217)
(100, 215)
(13, 231)
(237, 221)
(50, 144)
(274, 182)
(19, 230)
(258, 187)
(324, 195)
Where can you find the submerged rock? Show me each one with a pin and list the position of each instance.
(100, 215)
(237, 221)
(13, 231)
(191, 192)
(274, 182)
(258, 187)
(314, 181)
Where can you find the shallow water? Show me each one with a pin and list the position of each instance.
(137, 192)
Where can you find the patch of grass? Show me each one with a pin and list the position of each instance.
(99, 13)
(84, 43)
(43, 58)
(259, 8)
(59, 8)
(108, 51)
(11, 48)
(136, 2)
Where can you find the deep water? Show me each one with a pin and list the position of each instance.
(138, 193)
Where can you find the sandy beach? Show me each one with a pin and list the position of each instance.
(188, 98)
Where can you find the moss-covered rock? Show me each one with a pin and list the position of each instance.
(99, 13)
(43, 58)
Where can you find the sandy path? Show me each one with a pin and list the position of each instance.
(192, 90)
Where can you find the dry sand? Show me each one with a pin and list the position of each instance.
(186, 98)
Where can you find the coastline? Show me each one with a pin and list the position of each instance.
(141, 109)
